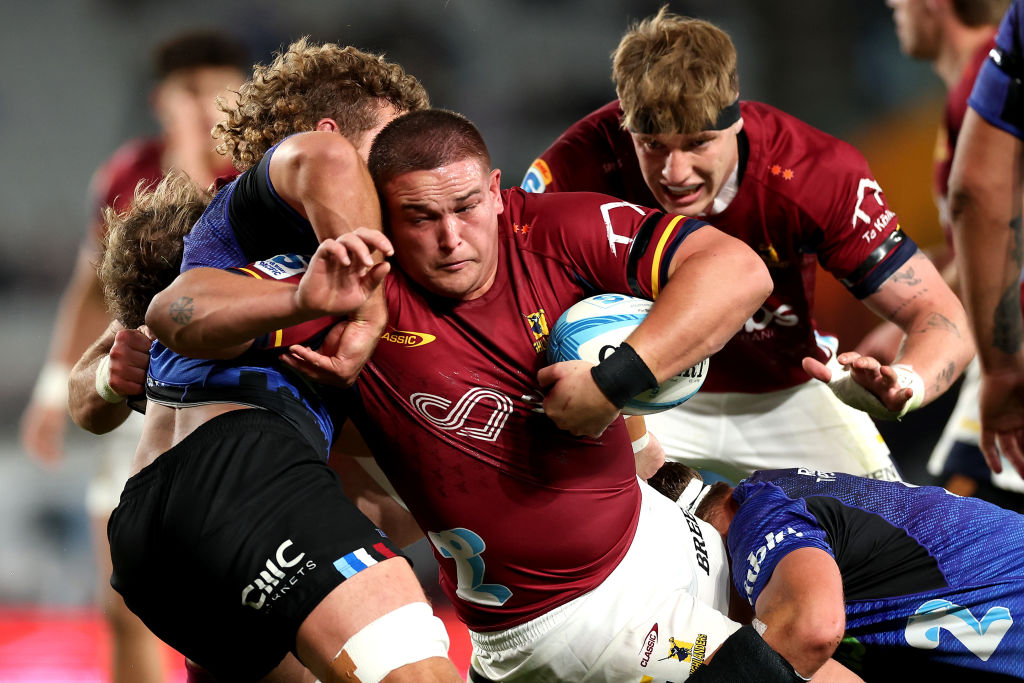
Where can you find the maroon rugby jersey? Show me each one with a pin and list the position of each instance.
(803, 195)
(522, 516)
(114, 182)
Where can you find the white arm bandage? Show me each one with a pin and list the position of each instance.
(850, 392)
(103, 387)
(403, 636)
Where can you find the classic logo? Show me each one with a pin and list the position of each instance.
(980, 637)
(650, 640)
(281, 574)
(538, 325)
(494, 409)
(409, 339)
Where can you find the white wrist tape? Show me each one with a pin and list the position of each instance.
(403, 636)
(51, 387)
(641, 442)
(850, 392)
(103, 387)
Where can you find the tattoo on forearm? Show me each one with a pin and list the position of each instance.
(937, 321)
(944, 378)
(1006, 321)
(906, 277)
(181, 310)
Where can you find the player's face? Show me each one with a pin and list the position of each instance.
(686, 172)
(917, 28)
(444, 226)
(186, 101)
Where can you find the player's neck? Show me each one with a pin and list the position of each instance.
(957, 50)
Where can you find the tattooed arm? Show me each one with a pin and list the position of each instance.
(985, 204)
(936, 345)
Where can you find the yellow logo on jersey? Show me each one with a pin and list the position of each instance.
(538, 325)
(409, 339)
(683, 652)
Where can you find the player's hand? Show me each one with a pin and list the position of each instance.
(1001, 405)
(129, 361)
(342, 273)
(345, 350)
(573, 401)
(885, 392)
(42, 431)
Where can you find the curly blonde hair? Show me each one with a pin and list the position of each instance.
(141, 252)
(674, 74)
(309, 82)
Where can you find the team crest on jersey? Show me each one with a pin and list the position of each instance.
(407, 339)
(538, 325)
(538, 177)
(684, 652)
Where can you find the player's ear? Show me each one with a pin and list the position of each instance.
(495, 189)
(329, 125)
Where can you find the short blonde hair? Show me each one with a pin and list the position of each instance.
(309, 82)
(142, 249)
(674, 74)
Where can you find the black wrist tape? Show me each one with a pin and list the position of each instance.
(622, 374)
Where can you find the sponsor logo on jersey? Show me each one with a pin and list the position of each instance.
(757, 557)
(538, 326)
(405, 338)
(283, 570)
(981, 637)
(684, 652)
(606, 214)
(818, 476)
(282, 267)
(699, 547)
(538, 177)
(874, 199)
(486, 410)
(784, 173)
(647, 647)
(772, 313)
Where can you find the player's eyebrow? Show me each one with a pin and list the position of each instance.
(411, 205)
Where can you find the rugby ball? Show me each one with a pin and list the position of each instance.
(591, 328)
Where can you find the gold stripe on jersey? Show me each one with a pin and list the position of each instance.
(250, 272)
(658, 251)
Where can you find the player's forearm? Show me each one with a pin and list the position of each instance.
(322, 177)
(708, 297)
(210, 313)
(89, 410)
(937, 342)
(985, 206)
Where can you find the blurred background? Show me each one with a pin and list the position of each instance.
(77, 82)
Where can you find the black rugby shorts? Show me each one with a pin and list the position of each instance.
(226, 543)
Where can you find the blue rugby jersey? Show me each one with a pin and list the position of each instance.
(932, 581)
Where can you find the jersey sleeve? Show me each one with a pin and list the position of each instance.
(768, 526)
(859, 238)
(262, 222)
(611, 245)
(998, 94)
